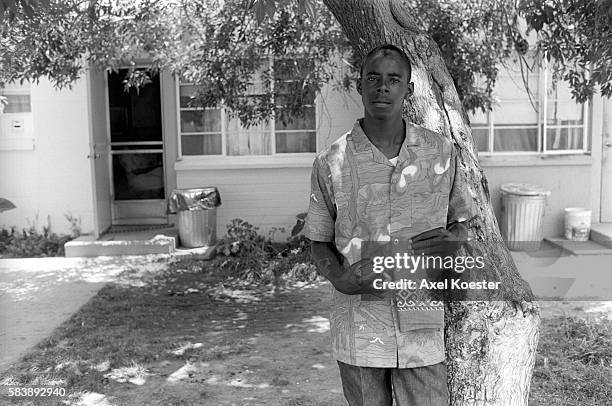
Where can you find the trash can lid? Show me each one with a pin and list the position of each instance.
(524, 189)
(203, 198)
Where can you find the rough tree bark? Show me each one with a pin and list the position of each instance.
(491, 345)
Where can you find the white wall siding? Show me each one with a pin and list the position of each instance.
(54, 179)
(336, 115)
(265, 197)
(271, 197)
(570, 186)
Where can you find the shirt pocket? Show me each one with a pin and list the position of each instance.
(372, 317)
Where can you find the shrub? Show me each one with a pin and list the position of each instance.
(32, 243)
(252, 257)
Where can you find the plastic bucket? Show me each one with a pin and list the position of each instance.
(577, 224)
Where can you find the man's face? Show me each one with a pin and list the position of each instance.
(384, 84)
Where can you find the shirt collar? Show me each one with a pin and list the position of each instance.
(362, 143)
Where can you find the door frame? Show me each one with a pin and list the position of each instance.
(606, 162)
(129, 205)
(96, 151)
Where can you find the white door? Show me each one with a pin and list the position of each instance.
(606, 165)
(138, 186)
(99, 151)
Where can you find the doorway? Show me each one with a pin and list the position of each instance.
(137, 177)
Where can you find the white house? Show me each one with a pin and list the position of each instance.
(107, 158)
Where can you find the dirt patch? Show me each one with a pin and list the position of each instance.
(188, 336)
(184, 334)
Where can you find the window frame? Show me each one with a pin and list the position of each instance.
(542, 127)
(280, 159)
(17, 90)
(26, 139)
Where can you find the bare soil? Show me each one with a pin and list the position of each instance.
(242, 344)
(187, 334)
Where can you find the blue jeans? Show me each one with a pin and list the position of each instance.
(423, 386)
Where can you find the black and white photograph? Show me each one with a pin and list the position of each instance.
(306, 202)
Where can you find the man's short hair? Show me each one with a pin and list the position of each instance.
(387, 49)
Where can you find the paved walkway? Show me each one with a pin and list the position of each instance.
(38, 294)
(571, 277)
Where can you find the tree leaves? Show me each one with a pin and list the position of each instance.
(309, 8)
(10, 8)
(267, 8)
(575, 37)
(474, 40)
(217, 45)
(222, 46)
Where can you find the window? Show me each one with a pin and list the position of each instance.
(211, 131)
(16, 117)
(15, 99)
(547, 122)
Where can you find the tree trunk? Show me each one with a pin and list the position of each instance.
(490, 346)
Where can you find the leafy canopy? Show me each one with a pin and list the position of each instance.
(477, 38)
(217, 45)
(224, 47)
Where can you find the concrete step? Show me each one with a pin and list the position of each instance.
(601, 233)
(87, 246)
(134, 241)
(579, 247)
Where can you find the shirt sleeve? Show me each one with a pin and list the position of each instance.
(461, 206)
(320, 221)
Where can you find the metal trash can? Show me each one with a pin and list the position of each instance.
(522, 214)
(196, 211)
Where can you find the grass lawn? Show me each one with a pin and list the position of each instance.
(194, 335)
(574, 359)
(190, 336)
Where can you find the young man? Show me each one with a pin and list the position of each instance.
(391, 181)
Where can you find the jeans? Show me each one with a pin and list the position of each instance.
(422, 386)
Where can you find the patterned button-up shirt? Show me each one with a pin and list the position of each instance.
(359, 195)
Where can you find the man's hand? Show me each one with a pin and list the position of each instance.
(356, 279)
(439, 241)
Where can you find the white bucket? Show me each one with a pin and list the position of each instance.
(577, 224)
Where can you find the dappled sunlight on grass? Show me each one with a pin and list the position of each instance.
(604, 309)
(189, 346)
(319, 324)
(238, 295)
(135, 374)
(215, 374)
(89, 399)
(169, 329)
(315, 324)
(44, 275)
(183, 373)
